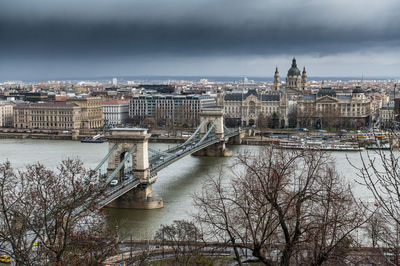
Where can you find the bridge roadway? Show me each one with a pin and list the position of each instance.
(160, 161)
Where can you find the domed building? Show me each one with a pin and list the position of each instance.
(295, 80)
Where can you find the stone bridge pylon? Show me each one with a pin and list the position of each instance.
(213, 116)
(131, 144)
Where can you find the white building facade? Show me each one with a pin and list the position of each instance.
(6, 114)
(168, 109)
(116, 112)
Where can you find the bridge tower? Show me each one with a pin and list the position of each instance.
(214, 116)
(132, 143)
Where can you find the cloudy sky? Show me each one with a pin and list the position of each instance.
(46, 39)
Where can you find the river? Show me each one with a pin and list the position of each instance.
(176, 183)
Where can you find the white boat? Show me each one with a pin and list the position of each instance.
(320, 145)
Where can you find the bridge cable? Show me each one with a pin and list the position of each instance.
(195, 133)
(105, 158)
(122, 163)
(158, 152)
(208, 132)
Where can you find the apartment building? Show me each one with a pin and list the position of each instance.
(387, 115)
(168, 109)
(116, 112)
(6, 114)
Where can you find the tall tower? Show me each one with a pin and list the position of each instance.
(304, 79)
(277, 81)
(293, 79)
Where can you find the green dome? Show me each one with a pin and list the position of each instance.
(294, 71)
(358, 90)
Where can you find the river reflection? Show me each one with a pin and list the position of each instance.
(176, 183)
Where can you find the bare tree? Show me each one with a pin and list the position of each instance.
(306, 116)
(51, 217)
(262, 121)
(330, 117)
(292, 117)
(286, 206)
(182, 236)
(380, 173)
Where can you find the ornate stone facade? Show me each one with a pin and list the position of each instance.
(327, 108)
(57, 116)
(246, 108)
(91, 112)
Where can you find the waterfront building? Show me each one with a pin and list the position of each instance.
(6, 114)
(57, 116)
(91, 112)
(327, 108)
(116, 112)
(168, 109)
(387, 115)
(250, 107)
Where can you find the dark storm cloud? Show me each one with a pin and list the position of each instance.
(186, 28)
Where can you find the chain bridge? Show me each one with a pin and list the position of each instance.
(135, 165)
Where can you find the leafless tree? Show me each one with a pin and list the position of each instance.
(287, 206)
(330, 117)
(380, 173)
(150, 122)
(292, 117)
(306, 116)
(262, 121)
(182, 236)
(50, 217)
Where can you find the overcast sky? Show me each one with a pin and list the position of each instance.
(46, 39)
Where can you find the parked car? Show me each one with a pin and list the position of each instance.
(5, 259)
(114, 182)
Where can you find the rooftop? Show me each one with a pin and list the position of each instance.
(116, 102)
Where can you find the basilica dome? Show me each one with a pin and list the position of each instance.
(294, 71)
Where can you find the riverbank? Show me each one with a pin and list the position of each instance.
(254, 139)
(44, 136)
(16, 135)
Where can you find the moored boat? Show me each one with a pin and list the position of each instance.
(378, 147)
(320, 145)
(91, 140)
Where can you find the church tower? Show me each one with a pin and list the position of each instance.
(293, 79)
(304, 79)
(277, 81)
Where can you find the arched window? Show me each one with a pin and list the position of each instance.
(252, 107)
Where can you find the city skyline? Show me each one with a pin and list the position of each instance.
(48, 39)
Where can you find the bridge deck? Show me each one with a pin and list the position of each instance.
(159, 162)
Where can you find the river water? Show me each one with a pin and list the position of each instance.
(176, 183)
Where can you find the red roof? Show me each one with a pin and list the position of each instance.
(117, 102)
(61, 98)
